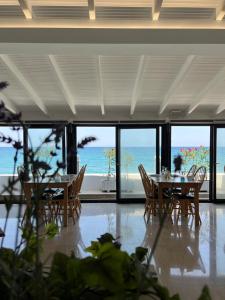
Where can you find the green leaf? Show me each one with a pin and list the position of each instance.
(7, 255)
(94, 248)
(175, 297)
(141, 253)
(51, 230)
(205, 295)
(59, 262)
(106, 238)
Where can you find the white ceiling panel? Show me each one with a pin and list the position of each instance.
(81, 77)
(37, 70)
(104, 82)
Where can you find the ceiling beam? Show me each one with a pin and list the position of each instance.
(220, 11)
(8, 104)
(179, 78)
(63, 85)
(157, 4)
(20, 77)
(100, 85)
(91, 7)
(137, 84)
(220, 108)
(26, 8)
(212, 83)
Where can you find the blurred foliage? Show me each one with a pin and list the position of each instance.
(195, 156)
(109, 273)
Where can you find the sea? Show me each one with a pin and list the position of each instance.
(97, 162)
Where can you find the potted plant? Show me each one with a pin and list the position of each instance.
(109, 184)
(127, 160)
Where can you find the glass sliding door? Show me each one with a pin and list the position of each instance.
(100, 158)
(192, 142)
(220, 163)
(136, 146)
(36, 136)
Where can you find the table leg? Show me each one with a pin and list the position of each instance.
(196, 203)
(65, 206)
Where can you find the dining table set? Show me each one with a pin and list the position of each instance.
(59, 182)
(180, 183)
(173, 194)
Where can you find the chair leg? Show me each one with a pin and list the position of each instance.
(190, 208)
(71, 210)
(76, 208)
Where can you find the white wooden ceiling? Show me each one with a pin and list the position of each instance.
(159, 84)
(103, 12)
(155, 84)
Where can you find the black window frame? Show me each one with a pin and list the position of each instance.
(69, 145)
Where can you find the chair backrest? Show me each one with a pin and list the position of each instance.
(82, 172)
(192, 171)
(77, 183)
(146, 181)
(200, 175)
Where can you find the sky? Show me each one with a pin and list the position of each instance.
(36, 136)
(221, 137)
(186, 136)
(129, 137)
(105, 136)
(138, 137)
(8, 132)
(182, 136)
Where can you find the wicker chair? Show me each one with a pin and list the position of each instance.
(150, 202)
(186, 201)
(192, 171)
(74, 205)
(42, 196)
(151, 194)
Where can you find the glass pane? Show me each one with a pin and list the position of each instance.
(137, 146)
(36, 136)
(220, 164)
(7, 152)
(100, 158)
(219, 237)
(193, 144)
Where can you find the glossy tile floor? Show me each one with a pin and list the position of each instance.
(185, 258)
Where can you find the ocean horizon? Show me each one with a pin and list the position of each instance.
(97, 162)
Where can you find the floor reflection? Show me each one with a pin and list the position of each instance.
(185, 258)
(178, 250)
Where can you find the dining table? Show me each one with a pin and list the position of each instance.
(161, 183)
(63, 182)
